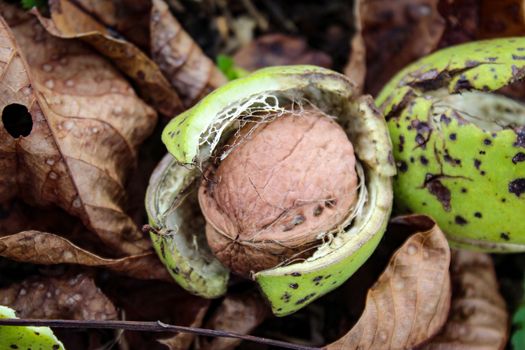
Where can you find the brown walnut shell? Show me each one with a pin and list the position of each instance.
(282, 185)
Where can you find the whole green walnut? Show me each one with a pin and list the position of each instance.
(459, 143)
(338, 226)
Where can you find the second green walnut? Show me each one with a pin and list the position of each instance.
(283, 177)
(459, 142)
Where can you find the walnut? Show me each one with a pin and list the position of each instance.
(283, 184)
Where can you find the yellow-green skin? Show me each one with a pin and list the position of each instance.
(468, 179)
(26, 337)
(291, 287)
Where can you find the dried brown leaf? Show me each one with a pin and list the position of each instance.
(356, 67)
(397, 33)
(49, 249)
(68, 21)
(279, 49)
(409, 303)
(240, 313)
(87, 124)
(478, 318)
(67, 297)
(188, 69)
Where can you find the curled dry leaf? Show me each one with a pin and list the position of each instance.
(49, 249)
(478, 318)
(278, 50)
(67, 297)
(409, 303)
(397, 33)
(240, 313)
(71, 128)
(68, 21)
(188, 69)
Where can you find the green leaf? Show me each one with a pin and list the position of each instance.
(29, 4)
(227, 66)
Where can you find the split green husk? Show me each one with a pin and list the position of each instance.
(196, 135)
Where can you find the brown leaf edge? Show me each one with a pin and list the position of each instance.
(478, 318)
(409, 303)
(68, 21)
(49, 249)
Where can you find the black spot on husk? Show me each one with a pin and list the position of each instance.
(477, 163)
(437, 189)
(305, 299)
(460, 220)
(317, 278)
(520, 137)
(518, 157)
(517, 186)
(402, 166)
(445, 119)
(401, 143)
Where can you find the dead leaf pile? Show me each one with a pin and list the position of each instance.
(86, 124)
(70, 135)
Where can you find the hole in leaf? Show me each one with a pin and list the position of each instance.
(17, 120)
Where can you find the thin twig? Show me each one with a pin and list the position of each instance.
(147, 327)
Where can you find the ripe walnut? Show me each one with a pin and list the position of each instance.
(283, 184)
